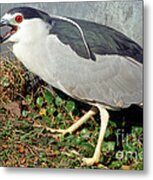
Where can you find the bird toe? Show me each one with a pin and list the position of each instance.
(89, 161)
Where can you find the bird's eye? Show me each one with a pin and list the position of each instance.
(18, 18)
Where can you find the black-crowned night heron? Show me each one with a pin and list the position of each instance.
(90, 62)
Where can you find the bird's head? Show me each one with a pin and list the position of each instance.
(24, 23)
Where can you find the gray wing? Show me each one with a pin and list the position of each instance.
(116, 82)
(88, 39)
(71, 34)
(105, 40)
(113, 80)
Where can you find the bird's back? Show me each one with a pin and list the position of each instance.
(113, 75)
(105, 40)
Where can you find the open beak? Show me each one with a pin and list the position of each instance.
(3, 22)
(7, 34)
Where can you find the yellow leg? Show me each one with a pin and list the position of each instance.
(104, 116)
(75, 126)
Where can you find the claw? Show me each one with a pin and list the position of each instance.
(54, 130)
(62, 132)
(89, 161)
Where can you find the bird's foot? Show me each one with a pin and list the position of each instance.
(60, 132)
(54, 130)
(57, 133)
(92, 161)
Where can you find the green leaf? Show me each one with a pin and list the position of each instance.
(58, 101)
(51, 110)
(47, 120)
(48, 97)
(137, 130)
(85, 133)
(115, 165)
(5, 82)
(111, 145)
(107, 133)
(113, 124)
(29, 99)
(24, 113)
(108, 146)
(70, 106)
(40, 101)
(88, 149)
(59, 117)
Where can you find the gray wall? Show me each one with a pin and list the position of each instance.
(125, 16)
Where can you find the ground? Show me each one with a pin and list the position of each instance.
(27, 107)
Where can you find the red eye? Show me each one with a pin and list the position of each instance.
(18, 19)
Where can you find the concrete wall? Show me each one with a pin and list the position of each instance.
(125, 16)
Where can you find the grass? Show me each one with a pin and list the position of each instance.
(27, 107)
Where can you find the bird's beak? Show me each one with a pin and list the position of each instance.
(3, 22)
(4, 37)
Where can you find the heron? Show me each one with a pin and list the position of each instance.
(92, 63)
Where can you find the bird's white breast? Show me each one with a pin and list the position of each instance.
(48, 57)
(34, 56)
